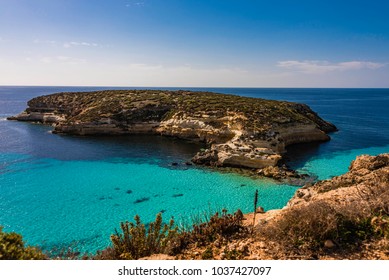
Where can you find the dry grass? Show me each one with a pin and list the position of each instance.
(308, 228)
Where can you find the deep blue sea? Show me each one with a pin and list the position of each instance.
(60, 191)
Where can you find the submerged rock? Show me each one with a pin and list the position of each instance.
(140, 200)
(286, 175)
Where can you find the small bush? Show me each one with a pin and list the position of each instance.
(305, 226)
(375, 195)
(218, 226)
(135, 241)
(12, 248)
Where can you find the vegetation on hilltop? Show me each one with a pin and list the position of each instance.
(156, 105)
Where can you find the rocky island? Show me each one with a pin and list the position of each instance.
(241, 131)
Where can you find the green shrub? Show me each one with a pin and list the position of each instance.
(12, 248)
(135, 241)
(218, 226)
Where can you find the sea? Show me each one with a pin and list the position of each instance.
(64, 192)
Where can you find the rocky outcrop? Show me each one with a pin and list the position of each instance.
(367, 176)
(187, 127)
(42, 117)
(364, 186)
(286, 175)
(240, 131)
(237, 152)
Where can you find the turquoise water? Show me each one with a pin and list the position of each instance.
(338, 163)
(55, 203)
(63, 191)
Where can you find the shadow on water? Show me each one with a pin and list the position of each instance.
(39, 142)
(138, 146)
(298, 154)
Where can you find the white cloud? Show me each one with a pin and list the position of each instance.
(78, 44)
(142, 66)
(135, 4)
(63, 60)
(65, 44)
(48, 42)
(320, 66)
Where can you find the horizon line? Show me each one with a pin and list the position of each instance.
(184, 87)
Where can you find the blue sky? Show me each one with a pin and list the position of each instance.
(224, 43)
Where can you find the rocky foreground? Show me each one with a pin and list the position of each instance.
(346, 217)
(241, 131)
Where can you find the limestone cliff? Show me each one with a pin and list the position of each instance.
(241, 131)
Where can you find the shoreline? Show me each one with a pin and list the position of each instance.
(241, 132)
